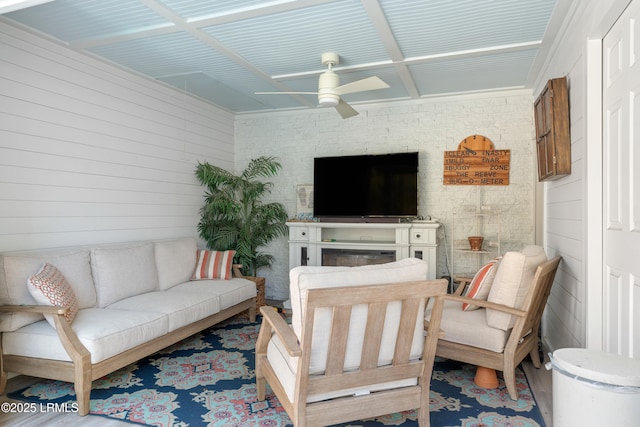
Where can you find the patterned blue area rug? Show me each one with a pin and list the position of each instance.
(208, 380)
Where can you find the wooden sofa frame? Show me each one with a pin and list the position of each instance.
(80, 371)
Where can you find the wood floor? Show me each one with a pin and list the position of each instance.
(539, 379)
(540, 383)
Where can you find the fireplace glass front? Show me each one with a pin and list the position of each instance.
(356, 257)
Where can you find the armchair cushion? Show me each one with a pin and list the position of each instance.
(470, 328)
(285, 367)
(511, 284)
(305, 278)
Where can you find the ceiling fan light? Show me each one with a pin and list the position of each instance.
(328, 100)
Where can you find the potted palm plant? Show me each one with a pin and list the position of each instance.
(234, 215)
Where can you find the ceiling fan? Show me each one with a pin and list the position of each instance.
(329, 89)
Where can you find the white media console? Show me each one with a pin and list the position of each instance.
(332, 243)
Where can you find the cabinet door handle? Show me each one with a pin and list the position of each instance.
(418, 236)
(304, 234)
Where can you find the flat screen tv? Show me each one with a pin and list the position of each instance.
(366, 186)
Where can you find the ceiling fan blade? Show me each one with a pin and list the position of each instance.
(285, 93)
(345, 110)
(370, 83)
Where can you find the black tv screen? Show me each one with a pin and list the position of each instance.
(382, 185)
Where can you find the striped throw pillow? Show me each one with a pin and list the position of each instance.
(481, 284)
(213, 265)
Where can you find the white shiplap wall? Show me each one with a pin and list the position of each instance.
(571, 203)
(90, 153)
(563, 321)
(429, 126)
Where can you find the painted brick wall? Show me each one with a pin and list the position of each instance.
(428, 126)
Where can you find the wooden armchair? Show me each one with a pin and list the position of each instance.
(362, 352)
(472, 337)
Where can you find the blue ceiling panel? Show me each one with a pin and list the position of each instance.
(161, 55)
(435, 27)
(500, 71)
(72, 20)
(202, 9)
(225, 51)
(293, 41)
(207, 87)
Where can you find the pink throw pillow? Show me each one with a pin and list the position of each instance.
(49, 287)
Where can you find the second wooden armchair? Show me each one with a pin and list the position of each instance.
(499, 335)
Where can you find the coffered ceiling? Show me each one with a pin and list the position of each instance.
(226, 50)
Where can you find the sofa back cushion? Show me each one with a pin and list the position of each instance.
(175, 261)
(16, 268)
(305, 278)
(123, 271)
(511, 284)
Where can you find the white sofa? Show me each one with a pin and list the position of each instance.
(133, 300)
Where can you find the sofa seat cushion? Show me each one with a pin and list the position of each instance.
(470, 327)
(285, 367)
(104, 332)
(181, 308)
(230, 292)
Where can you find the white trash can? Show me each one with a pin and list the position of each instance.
(592, 388)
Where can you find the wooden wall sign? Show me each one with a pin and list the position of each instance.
(476, 162)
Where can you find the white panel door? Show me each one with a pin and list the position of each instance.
(621, 195)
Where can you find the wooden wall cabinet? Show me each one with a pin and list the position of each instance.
(553, 139)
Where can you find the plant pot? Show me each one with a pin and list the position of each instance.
(486, 378)
(476, 242)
